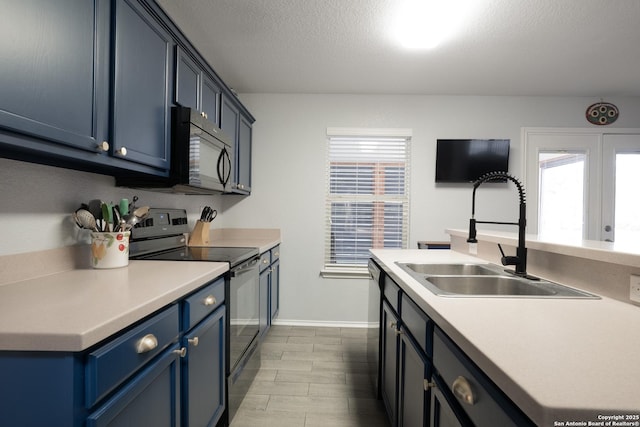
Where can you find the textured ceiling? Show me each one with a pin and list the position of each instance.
(508, 47)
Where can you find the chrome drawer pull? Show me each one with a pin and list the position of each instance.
(146, 343)
(193, 341)
(462, 390)
(182, 352)
(210, 300)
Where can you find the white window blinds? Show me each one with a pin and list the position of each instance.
(367, 204)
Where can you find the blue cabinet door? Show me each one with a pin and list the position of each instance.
(389, 361)
(274, 290)
(243, 156)
(204, 372)
(415, 371)
(142, 86)
(188, 80)
(210, 104)
(150, 399)
(265, 278)
(55, 73)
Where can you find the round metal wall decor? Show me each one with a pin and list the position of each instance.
(602, 113)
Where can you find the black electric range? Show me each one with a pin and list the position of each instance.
(161, 237)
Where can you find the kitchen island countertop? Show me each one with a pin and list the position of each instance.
(557, 359)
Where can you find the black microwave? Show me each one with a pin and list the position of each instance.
(201, 157)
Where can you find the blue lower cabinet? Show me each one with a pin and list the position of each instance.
(415, 373)
(150, 399)
(390, 329)
(265, 311)
(203, 368)
(167, 370)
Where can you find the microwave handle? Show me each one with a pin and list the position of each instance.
(223, 159)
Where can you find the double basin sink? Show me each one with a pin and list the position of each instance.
(485, 280)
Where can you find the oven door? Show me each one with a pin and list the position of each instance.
(244, 295)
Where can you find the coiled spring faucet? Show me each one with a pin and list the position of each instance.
(519, 261)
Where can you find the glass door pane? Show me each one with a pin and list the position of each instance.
(621, 174)
(627, 203)
(561, 196)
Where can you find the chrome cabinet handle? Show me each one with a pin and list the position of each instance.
(428, 384)
(394, 326)
(146, 343)
(209, 300)
(122, 151)
(193, 341)
(240, 186)
(463, 391)
(265, 261)
(277, 254)
(103, 146)
(182, 352)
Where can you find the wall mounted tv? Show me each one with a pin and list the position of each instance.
(465, 160)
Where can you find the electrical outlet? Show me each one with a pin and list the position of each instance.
(634, 288)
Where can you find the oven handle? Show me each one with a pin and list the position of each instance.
(245, 267)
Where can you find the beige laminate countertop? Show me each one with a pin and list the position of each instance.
(261, 238)
(559, 360)
(75, 309)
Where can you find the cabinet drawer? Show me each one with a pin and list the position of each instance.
(115, 361)
(465, 381)
(391, 292)
(418, 324)
(265, 260)
(205, 301)
(275, 254)
(150, 399)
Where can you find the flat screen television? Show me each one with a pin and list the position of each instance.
(465, 160)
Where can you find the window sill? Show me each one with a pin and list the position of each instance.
(345, 273)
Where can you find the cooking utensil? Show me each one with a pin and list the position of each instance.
(84, 219)
(124, 206)
(107, 217)
(135, 217)
(141, 212)
(95, 207)
(208, 214)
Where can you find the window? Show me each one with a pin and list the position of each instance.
(367, 203)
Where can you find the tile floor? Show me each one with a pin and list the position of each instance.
(312, 377)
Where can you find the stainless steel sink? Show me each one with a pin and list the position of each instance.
(454, 269)
(486, 280)
(469, 285)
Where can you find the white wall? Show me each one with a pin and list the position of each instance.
(36, 203)
(289, 176)
(289, 182)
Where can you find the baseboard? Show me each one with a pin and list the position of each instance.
(324, 323)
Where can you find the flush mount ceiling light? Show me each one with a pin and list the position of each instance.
(424, 24)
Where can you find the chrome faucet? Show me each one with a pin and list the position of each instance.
(519, 261)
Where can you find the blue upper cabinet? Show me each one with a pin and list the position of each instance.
(142, 86)
(188, 80)
(211, 95)
(89, 85)
(55, 72)
(195, 89)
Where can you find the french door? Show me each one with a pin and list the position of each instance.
(580, 184)
(621, 176)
